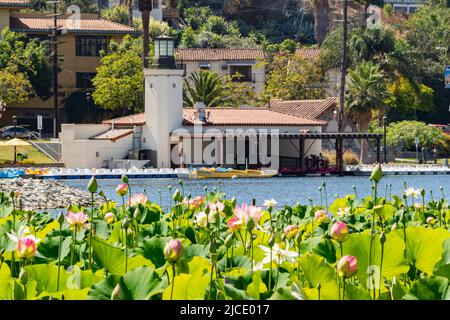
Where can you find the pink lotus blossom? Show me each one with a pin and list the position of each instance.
(26, 243)
(339, 231)
(78, 220)
(320, 216)
(173, 251)
(431, 220)
(196, 202)
(291, 231)
(244, 213)
(122, 189)
(347, 266)
(138, 198)
(234, 224)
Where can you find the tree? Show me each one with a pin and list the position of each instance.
(366, 93)
(206, 87)
(405, 101)
(117, 14)
(14, 86)
(321, 11)
(119, 80)
(26, 59)
(292, 77)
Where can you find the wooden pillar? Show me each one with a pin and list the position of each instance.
(302, 154)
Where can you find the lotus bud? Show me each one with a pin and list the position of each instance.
(117, 293)
(377, 173)
(394, 226)
(122, 189)
(378, 209)
(23, 276)
(229, 240)
(125, 179)
(271, 241)
(422, 192)
(125, 223)
(93, 186)
(250, 224)
(339, 231)
(60, 218)
(137, 214)
(431, 221)
(382, 238)
(173, 251)
(347, 266)
(177, 197)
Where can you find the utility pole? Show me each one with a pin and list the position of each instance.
(343, 71)
(54, 43)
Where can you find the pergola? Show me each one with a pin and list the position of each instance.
(338, 144)
(340, 141)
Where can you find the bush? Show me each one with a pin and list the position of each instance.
(350, 157)
(388, 9)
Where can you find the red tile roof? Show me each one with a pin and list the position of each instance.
(15, 3)
(94, 26)
(248, 117)
(230, 117)
(202, 54)
(309, 109)
(114, 134)
(135, 119)
(308, 53)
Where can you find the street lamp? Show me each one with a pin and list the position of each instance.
(88, 102)
(164, 52)
(384, 142)
(15, 125)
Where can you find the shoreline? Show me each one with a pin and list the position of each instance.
(39, 194)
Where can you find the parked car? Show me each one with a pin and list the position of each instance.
(21, 132)
(443, 127)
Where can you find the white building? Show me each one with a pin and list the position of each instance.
(406, 6)
(171, 136)
(248, 63)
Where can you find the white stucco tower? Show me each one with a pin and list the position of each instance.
(163, 101)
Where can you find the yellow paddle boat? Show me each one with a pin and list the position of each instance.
(221, 173)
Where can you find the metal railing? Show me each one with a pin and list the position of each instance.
(44, 147)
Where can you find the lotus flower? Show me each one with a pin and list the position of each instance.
(244, 213)
(234, 224)
(291, 231)
(122, 189)
(110, 217)
(202, 219)
(343, 212)
(26, 243)
(347, 267)
(339, 231)
(196, 202)
(173, 251)
(270, 203)
(411, 192)
(278, 255)
(320, 216)
(78, 220)
(431, 220)
(138, 198)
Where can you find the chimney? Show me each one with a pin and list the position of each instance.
(200, 110)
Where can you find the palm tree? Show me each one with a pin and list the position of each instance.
(321, 11)
(366, 93)
(145, 6)
(206, 87)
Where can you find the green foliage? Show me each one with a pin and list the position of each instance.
(119, 80)
(292, 77)
(117, 14)
(26, 61)
(388, 9)
(204, 86)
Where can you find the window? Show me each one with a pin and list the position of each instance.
(204, 65)
(84, 79)
(90, 46)
(241, 73)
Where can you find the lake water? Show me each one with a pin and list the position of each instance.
(285, 190)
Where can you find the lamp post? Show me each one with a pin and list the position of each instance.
(15, 125)
(164, 53)
(385, 138)
(88, 104)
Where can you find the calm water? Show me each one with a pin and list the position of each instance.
(286, 190)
